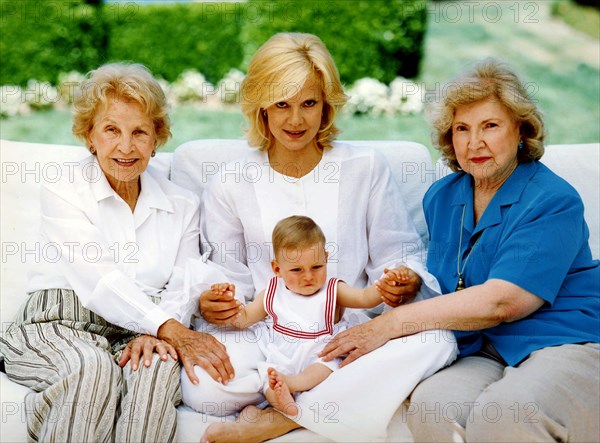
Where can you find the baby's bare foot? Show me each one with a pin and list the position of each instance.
(283, 398)
(272, 373)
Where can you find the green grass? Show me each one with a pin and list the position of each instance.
(584, 18)
(561, 68)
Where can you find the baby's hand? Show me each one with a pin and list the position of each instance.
(220, 289)
(398, 286)
(399, 275)
(218, 303)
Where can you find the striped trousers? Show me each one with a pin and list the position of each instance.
(68, 356)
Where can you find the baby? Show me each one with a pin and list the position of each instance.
(304, 306)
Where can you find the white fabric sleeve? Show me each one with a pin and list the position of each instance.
(222, 237)
(178, 299)
(392, 237)
(89, 266)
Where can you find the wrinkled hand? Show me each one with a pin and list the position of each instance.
(356, 341)
(218, 305)
(197, 348)
(398, 285)
(145, 345)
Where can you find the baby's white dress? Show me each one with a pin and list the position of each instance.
(299, 328)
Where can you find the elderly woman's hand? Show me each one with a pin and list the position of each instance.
(197, 349)
(398, 286)
(357, 341)
(218, 305)
(145, 345)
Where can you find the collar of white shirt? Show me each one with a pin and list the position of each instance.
(152, 194)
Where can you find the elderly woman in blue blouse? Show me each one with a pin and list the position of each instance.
(509, 246)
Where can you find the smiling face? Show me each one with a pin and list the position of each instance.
(303, 269)
(295, 122)
(123, 139)
(485, 137)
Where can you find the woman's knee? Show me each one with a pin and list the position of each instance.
(513, 413)
(441, 405)
(97, 364)
(88, 367)
(435, 413)
(213, 398)
(201, 396)
(166, 373)
(439, 345)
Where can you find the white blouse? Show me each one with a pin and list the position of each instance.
(112, 258)
(351, 194)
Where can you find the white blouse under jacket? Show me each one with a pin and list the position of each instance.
(112, 258)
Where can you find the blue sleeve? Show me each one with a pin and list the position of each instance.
(539, 247)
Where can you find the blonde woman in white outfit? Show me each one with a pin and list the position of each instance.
(290, 97)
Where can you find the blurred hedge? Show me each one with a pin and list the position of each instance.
(41, 39)
(367, 38)
(172, 38)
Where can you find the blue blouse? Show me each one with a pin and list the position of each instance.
(532, 234)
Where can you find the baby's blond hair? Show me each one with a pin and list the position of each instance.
(296, 232)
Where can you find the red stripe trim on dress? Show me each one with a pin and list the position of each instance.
(329, 304)
(271, 289)
(299, 334)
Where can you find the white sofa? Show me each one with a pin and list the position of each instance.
(26, 165)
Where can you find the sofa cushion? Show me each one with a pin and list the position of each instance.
(14, 428)
(579, 165)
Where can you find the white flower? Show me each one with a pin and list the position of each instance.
(406, 96)
(230, 85)
(191, 85)
(368, 95)
(40, 94)
(68, 83)
(12, 101)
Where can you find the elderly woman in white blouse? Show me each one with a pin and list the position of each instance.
(124, 234)
(290, 97)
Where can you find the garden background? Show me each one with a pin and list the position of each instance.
(393, 55)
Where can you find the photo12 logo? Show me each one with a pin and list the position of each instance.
(488, 12)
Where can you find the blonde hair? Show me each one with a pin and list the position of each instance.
(296, 231)
(278, 71)
(126, 81)
(489, 79)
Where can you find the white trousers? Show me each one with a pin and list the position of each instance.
(355, 403)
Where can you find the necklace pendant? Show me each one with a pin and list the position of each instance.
(460, 285)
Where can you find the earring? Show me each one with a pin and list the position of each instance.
(92, 150)
(521, 145)
(264, 113)
(153, 154)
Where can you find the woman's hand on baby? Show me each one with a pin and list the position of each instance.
(398, 285)
(357, 341)
(144, 346)
(218, 304)
(196, 348)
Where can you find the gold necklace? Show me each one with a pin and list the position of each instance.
(461, 283)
